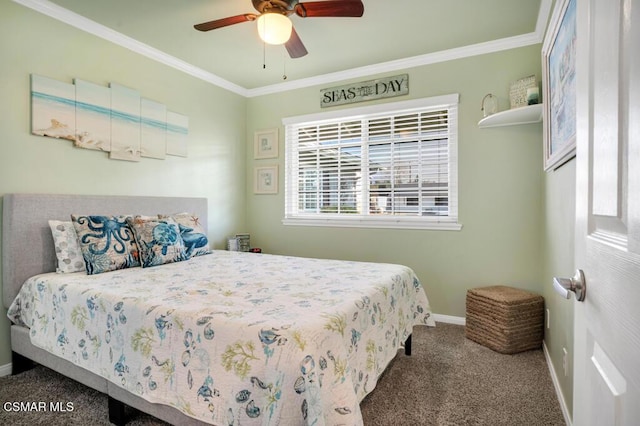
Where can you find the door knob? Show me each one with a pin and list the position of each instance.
(576, 284)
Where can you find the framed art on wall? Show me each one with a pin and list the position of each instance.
(93, 116)
(265, 144)
(125, 123)
(559, 86)
(113, 119)
(53, 111)
(265, 180)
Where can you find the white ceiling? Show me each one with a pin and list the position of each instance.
(392, 35)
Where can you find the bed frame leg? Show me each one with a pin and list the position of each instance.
(407, 346)
(116, 412)
(20, 364)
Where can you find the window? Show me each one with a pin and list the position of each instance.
(388, 165)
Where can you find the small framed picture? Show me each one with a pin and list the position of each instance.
(265, 180)
(265, 144)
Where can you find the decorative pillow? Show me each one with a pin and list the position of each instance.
(68, 251)
(193, 234)
(107, 243)
(159, 240)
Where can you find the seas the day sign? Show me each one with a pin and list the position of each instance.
(365, 91)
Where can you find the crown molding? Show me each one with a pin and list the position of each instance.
(402, 64)
(537, 36)
(80, 22)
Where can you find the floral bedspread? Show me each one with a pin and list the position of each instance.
(233, 338)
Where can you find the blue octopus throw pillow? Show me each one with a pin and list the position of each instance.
(106, 242)
(193, 234)
(159, 240)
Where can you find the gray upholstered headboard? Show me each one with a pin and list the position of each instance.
(27, 244)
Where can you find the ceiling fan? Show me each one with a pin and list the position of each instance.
(279, 11)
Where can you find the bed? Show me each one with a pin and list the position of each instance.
(224, 338)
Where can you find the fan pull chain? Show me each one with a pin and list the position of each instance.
(284, 66)
(264, 55)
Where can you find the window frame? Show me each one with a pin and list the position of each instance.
(449, 222)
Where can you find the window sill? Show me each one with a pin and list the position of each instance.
(391, 223)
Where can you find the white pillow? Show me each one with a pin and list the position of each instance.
(67, 248)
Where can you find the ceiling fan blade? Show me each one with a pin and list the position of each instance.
(294, 46)
(330, 8)
(224, 22)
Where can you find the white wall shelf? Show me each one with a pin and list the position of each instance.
(511, 117)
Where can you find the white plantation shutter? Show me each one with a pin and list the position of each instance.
(390, 165)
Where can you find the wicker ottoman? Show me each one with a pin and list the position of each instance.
(505, 319)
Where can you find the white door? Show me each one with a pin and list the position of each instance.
(607, 323)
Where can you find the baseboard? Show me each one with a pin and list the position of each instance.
(556, 385)
(449, 319)
(5, 370)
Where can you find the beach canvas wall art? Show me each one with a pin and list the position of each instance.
(53, 110)
(153, 129)
(93, 116)
(114, 119)
(125, 123)
(177, 132)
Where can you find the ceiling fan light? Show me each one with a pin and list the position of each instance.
(274, 28)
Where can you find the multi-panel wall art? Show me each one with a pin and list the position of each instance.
(114, 119)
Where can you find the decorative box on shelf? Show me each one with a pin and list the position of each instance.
(518, 91)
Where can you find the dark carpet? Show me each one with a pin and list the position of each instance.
(448, 380)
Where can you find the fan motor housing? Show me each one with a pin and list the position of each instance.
(283, 6)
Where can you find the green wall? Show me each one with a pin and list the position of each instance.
(500, 189)
(517, 220)
(33, 43)
(558, 252)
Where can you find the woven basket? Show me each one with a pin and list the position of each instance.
(505, 319)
